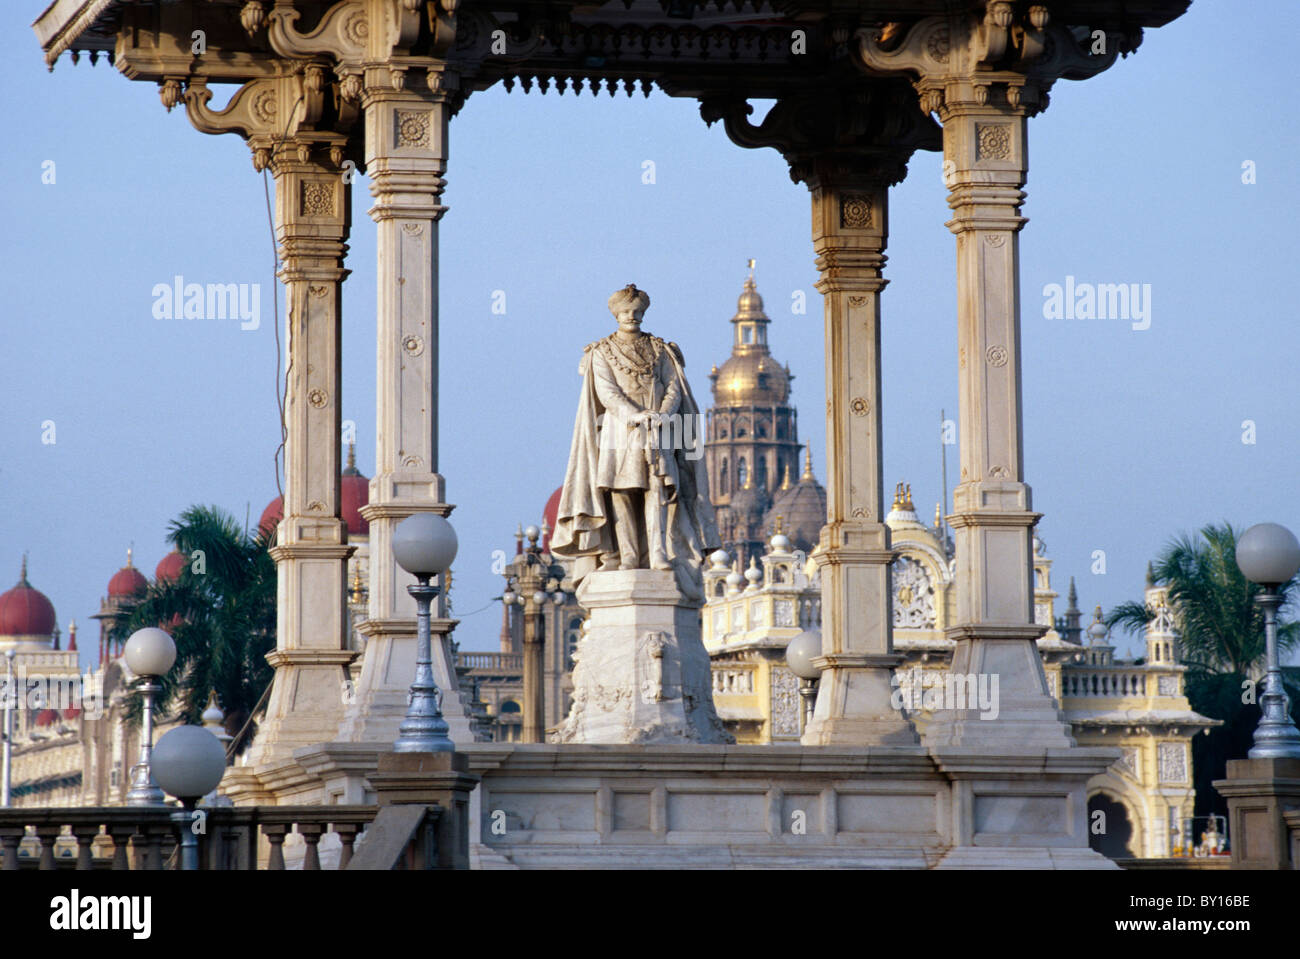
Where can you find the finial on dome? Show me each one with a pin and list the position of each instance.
(807, 461)
(1151, 575)
(358, 591)
(22, 574)
(751, 269)
(938, 515)
(785, 479)
(780, 522)
(129, 550)
(351, 468)
(908, 493)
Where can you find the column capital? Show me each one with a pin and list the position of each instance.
(861, 132)
(971, 59)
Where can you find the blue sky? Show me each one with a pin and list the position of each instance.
(1130, 435)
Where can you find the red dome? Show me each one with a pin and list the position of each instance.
(170, 566)
(25, 611)
(47, 717)
(72, 712)
(354, 493)
(271, 517)
(127, 581)
(549, 514)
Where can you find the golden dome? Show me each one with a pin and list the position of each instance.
(750, 377)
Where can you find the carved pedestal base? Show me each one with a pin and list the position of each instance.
(642, 675)
(1026, 715)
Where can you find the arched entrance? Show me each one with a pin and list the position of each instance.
(1112, 838)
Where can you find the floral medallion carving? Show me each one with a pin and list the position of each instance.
(992, 141)
(412, 229)
(413, 128)
(264, 106)
(855, 211)
(995, 240)
(999, 472)
(413, 345)
(317, 291)
(996, 355)
(857, 301)
(317, 198)
(861, 512)
(939, 44)
(859, 406)
(356, 29)
(318, 398)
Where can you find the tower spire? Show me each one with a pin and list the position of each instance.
(785, 480)
(807, 461)
(22, 574)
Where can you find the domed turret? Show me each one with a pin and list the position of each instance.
(801, 508)
(26, 614)
(169, 567)
(127, 581)
(750, 376)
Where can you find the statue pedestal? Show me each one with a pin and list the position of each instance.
(641, 674)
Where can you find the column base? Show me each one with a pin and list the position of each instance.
(379, 701)
(307, 699)
(854, 704)
(1022, 712)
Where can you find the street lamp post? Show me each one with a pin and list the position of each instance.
(189, 762)
(799, 654)
(1269, 554)
(10, 702)
(149, 653)
(424, 545)
(528, 586)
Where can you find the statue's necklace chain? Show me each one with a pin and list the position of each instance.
(640, 365)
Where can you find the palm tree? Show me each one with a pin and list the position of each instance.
(221, 611)
(1222, 636)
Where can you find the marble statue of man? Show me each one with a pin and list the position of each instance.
(636, 495)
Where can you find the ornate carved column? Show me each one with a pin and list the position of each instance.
(312, 216)
(985, 74)
(406, 115)
(849, 144)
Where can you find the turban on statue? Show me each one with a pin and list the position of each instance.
(629, 298)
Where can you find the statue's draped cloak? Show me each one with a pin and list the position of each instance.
(582, 529)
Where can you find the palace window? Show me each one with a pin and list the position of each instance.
(742, 473)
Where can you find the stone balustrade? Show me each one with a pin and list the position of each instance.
(1103, 682)
(121, 838)
(492, 662)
